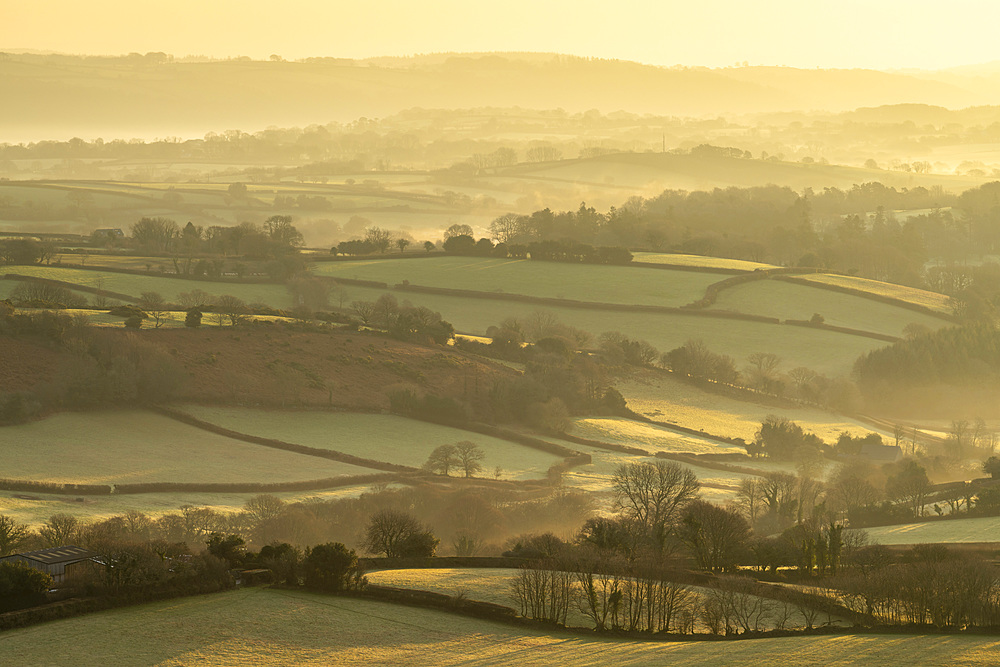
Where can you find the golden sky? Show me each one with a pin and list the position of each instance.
(803, 33)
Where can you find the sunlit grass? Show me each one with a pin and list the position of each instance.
(664, 398)
(647, 436)
(932, 300)
(272, 627)
(979, 529)
(704, 261)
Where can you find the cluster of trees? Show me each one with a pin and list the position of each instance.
(955, 356)
(414, 323)
(466, 521)
(557, 381)
(566, 250)
(761, 373)
(851, 231)
(377, 240)
(932, 586)
(26, 251)
(275, 238)
(108, 368)
(464, 456)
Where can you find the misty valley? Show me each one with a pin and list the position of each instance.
(447, 359)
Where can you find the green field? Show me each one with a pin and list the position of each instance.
(380, 437)
(979, 529)
(827, 352)
(790, 301)
(704, 261)
(581, 282)
(170, 288)
(650, 437)
(932, 300)
(664, 398)
(274, 627)
(137, 446)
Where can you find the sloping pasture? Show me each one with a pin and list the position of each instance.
(827, 352)
(132, 447)
(276, 627)
(790, 301)
(664, 398)
(699, 261)
(170, 288)
(385, 438)
(932, 300)
(581, 282)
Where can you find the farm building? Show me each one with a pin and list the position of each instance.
(58, 562)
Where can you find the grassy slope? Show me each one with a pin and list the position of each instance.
(133, 447)
(788, 301)
(268, 627)
(980, 529)
(647, 436)
(678, 259)
(380, 437)
(273, 295)
(938, 302)
(661, 397)
(657, 171)
(582, 282)
(824, 351)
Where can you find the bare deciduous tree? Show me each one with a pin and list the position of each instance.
(652, 496)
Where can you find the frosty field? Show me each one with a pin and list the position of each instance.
(790, 301)
(272, 627)
(979, 529)
(380, 437)
(582, 282)
(138, 446)
(170, 288)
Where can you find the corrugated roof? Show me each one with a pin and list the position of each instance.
(59, 554)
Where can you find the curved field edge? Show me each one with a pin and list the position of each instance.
(856, 287)
(939, 531)
(703, 262)
(278, 627)
(200, 416)
(134, 448)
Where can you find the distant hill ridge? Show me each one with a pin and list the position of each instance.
(135, 93)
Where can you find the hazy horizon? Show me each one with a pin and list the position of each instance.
(848, 34)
